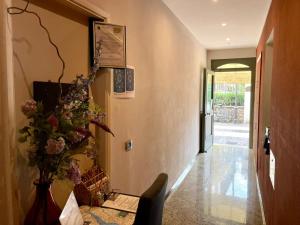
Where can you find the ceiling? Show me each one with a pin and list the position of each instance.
(219, 24)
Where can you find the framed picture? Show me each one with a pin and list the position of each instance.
(108, 44)
(123, 82)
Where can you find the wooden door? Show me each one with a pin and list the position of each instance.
(207, 115)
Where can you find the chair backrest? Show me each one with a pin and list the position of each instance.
(151, 204)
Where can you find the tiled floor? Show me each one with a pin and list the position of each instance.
(219, 190)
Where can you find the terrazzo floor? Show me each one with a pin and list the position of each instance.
(220, 189)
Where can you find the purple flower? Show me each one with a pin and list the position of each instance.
(29, 107)
(74, 173)
(55, 146)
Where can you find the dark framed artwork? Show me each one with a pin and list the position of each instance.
(108, 42)
(123, 82)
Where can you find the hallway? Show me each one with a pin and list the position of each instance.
(219, 190)
(103, 96)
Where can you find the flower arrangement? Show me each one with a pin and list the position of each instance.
(55, 137)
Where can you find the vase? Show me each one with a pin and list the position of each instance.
(44, 210)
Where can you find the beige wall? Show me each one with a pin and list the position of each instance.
(230, 54)
(163, 118)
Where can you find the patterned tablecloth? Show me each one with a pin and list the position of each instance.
(104, 216)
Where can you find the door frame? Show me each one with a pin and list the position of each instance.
(9, 210)
(251, 62)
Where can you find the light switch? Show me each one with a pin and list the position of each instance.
(128, 145)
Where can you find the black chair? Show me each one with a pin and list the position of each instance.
(151, 204)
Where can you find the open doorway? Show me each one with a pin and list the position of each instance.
(233, 101)
(232, 108)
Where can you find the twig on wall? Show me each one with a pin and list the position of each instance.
(18, 11)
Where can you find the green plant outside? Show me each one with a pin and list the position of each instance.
(228, 99)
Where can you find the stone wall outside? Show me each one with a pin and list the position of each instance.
(229, 114)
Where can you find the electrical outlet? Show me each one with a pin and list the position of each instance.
(128, 145)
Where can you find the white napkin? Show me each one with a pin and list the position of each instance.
(71, 213)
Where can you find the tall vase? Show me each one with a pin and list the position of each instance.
(44, 210)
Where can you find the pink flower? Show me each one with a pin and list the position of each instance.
(29, 107)
(55, 146)
(74, 173)
(53, 121)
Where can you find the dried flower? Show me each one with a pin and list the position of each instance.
(55, 146)
(29, 107)
(102, 126)
(91, 154)
(83, 95)
(74, 173)
(76, 137)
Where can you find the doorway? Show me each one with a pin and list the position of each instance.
(233, 101)
(232, 108)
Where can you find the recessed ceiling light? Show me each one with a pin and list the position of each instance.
(227, 39)
(215, 0)
(224, 24)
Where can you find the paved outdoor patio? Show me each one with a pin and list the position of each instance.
(231, 134)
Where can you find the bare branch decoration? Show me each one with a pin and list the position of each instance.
(18, 11)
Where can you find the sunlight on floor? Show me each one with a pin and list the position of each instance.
(220, 189)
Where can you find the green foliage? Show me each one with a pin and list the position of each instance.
(228, 99)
